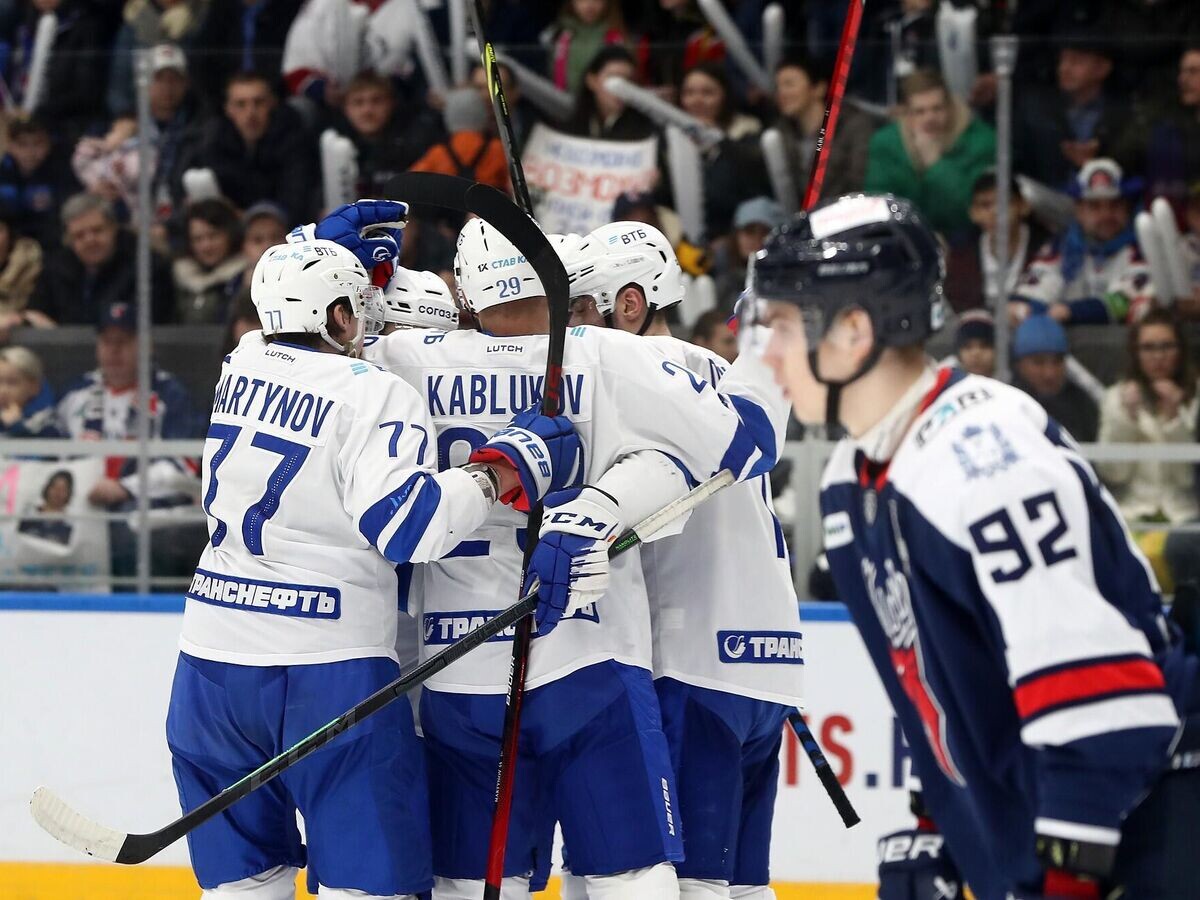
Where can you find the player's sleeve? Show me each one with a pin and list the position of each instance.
(660, 404)
(752, 382)
(1089, 696)
(643, 483)
(406, 509)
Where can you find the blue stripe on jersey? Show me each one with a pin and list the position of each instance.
(780, 545)
(754, 432)
(467, 549)
(419, 512)
(404, 575)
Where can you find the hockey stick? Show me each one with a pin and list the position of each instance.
(75, 830)
(559, 302)
(816, 756)
(833, 101)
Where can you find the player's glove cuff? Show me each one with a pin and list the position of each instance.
(544, 451)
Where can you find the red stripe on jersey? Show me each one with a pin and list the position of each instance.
(1085, 682)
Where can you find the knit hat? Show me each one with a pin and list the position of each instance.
(758, 211)
(464, 111)
(975, 325)
(1039, 334)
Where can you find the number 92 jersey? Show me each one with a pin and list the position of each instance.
(318, 479)
(623, 395)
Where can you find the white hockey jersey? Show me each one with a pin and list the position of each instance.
(623, 395)
(319, 479)
(723, 606)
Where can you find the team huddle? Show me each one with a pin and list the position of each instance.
(380, 465)
(367, 476)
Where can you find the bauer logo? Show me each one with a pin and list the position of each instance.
(760, 647)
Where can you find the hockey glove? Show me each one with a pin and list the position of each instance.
(545, 452)
(915, 865)
(370, 229)
(570, 560)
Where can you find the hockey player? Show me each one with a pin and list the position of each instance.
(1018, 631)
(415, 299)
(725, 619)
(593, 755)
(318, 479)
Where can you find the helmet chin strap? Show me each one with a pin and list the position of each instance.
(833, 394)
(651, 312)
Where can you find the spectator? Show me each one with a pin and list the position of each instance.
(426, 248)
(584, 27)
(102, 406)
(800, 88)
(241, 38)
(971, 267)
(20, 265)
(1189, 307)
(640, 206)
(209, 276)
(933, 154)
(753, 220)
(471, 150)
(1039, 353)
(263, 225)
(733, 170)
(975, 343)
(23, 409)
(72, 94)
(712, 332)
(57, 493)
(259, 150)
(1094, 273)
(521, 112)
(243, 318)
(147, 24)
(682, 39)
(906, 33)
(96, 268)
(35, 179)
(1057, 131)
(1164, 142)
(600, 114)
(1155, 404)
(178, 127)
(107, 166)
(388, 138)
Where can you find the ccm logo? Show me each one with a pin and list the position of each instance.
(578, 519)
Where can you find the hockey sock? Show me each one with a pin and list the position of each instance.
(278, 883)
(657, 881)
(751, 892)
(574, 887)
(350, 894)
(703, 889)
(513, 888)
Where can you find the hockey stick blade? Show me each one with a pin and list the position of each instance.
(73, 829)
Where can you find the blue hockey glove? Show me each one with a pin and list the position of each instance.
(570, 560)
(914, 865)
(545, 452)
(370, 229)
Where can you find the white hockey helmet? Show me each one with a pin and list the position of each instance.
(490, 271)
(416, 299)
(619, 254)
(294, 285)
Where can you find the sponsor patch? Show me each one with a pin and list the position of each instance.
(838, 532)
(305, 601)
(760, 647)
(447, 627)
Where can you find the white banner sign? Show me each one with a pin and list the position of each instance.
(576, 180)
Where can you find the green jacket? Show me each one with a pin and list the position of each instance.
(943, 191)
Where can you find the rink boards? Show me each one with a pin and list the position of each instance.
(84, 682)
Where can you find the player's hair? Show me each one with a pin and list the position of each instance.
(817, 70)
(714, 72)
(24, 361)
(312, 339)
(248, 78)
(613, 18)
(1184, 375)
(83, 203)
(369, 80)
(921, 81)
(220, 214)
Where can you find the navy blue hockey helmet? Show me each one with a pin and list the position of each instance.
(872, 252)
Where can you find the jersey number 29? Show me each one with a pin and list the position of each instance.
(292, 456)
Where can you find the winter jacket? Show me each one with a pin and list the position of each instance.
(1072, 408)
(32, 202)
(943, 191)
(34, 423)
(203, 296)
(847, 166)
(70, 295)
(468, 154)
(281, 167)
(251, 36)
(1148, 489)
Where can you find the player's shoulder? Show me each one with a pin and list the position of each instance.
(701, 360)
(614, 348)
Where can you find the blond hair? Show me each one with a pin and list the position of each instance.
(24, 361)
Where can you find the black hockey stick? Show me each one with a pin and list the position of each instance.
(560, 312)
(816, 756)
(75, 830)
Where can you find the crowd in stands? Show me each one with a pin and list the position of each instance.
(1107, 118)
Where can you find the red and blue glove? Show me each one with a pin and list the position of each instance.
(545, 451)
(370, 229)
(570, 560)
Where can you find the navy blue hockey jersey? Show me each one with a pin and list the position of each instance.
(1017, 629)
